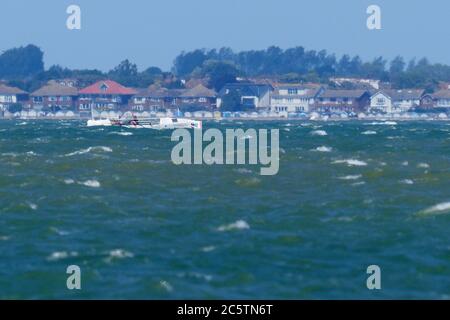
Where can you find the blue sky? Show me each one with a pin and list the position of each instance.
(153, 32)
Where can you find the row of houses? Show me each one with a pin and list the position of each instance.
(293, 98)
(108, 95)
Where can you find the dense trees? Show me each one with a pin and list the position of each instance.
(24, 67)
(217, 72)
(21, 62)
(299, 64)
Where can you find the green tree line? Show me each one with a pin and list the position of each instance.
(24, 68)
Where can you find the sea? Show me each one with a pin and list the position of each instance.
(109, 200)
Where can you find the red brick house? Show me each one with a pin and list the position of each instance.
(157, 98)
(198, 98)
(337, 101)
(149, 99)
(10, 96)
(55, 96)
(104, 95)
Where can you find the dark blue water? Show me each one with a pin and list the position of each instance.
(110, 201)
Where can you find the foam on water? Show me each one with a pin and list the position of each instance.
(125, 133)
(120, 254)
(69, 181)
(323, 149)
(351, 162)
(91, 183)
(60, 255)
(384, 123)
(90, 149)
(166, 286)
(369, 132)
(441, 208)
(208, 249)
(238, 225)
(351, 177)
(320, 133)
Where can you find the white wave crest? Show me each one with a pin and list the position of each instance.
(351, 162)
(88, 150)
(441, 208)
(369, 132)
(384, 123)
(91, 183)
(60, 255)
(323, 149)
(69, 181)
(125, 133)
(120, 254)
(351, 177)
(319, 133)
(238, 225)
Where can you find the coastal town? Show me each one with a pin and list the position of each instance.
(65, 99)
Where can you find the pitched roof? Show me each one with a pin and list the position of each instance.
(155, 91)
(107, 87)
(405, 94)
(343, 94)
(199, 91)
(247, 89)
(7, 90)
(304, 91)
(442, 94)
(299, 86)
(52, 88)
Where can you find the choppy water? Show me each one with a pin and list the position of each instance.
(348, 195)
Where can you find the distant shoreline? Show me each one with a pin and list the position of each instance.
(428, 118)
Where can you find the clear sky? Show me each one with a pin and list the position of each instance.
(153, 32)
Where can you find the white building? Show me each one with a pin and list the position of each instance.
(251, 95)
(10, 96)
(356, 81)
(293, 98)
(442, 99)
(395, 101)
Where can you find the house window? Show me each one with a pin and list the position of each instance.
(380, 101)
(103, 87)
(292, 91)
(52, 99)
(203, 100)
